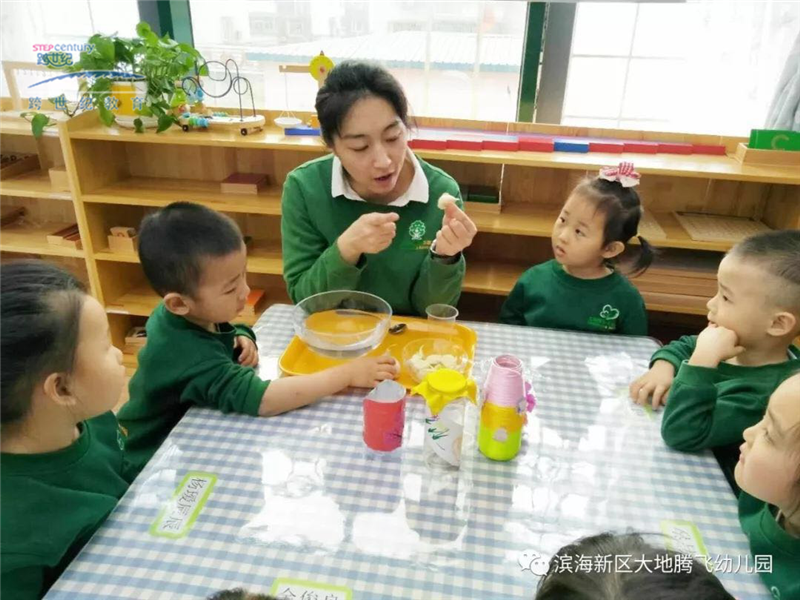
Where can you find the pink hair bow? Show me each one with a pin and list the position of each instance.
(624, 174)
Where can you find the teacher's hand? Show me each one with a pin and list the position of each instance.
(369, 234)
(456, 233)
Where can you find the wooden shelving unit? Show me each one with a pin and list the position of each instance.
(694, 166)
(141, 300)
(35, 184)
(33, 240)
(118, 176)
(46, 210)
(263, 257)
(158, 192)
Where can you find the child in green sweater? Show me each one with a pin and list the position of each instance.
(580, 289)
(61, 467)
(768, 472)
(718, 382)
(196, 260)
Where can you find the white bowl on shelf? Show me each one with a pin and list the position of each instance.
(287, 122)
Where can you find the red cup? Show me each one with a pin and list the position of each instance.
(385, 416)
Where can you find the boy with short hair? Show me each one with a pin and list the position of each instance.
(195, 258)
(719, 382)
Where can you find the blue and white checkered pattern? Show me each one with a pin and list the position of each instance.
(298, 496)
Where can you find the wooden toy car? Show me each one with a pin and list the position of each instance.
(222, 121)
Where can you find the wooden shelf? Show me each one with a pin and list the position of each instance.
(491, 278)
(264, 257)
(516, 219)
(485, 277)
(33, 184)
(130, 358)
(33, 240)
(142, 300)
(537, 221)
(19, 126)
(271, 138)
(158, 192)
(691, 166)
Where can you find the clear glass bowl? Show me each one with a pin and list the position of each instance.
(427, 355)
(343, 323)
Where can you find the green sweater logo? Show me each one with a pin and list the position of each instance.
(607, 321)
(416, 230)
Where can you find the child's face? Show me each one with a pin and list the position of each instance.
(98, 375)
(767, 467)
(223, 290)
(578, 234)
(742, 301)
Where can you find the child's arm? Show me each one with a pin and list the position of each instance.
(664, 364)
(513, 310)
(696, 417)
(222, 384)
(293, 392)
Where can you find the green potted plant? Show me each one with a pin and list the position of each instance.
(162, 62)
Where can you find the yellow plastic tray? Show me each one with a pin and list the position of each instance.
(299, 359)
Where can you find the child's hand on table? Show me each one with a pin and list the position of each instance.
(248, 355)
(715, 344)
(369, 371)
(655, 382)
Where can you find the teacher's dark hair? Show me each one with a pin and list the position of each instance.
(347, 83)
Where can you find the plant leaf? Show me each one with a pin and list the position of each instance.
(102, 84)
(143, 28)
(138, 125)
(123, 52)
(106, 116)
(178, 98)
(38, 123)
(104, 48)
(165, 122)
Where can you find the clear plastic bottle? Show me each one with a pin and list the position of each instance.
(446, 393)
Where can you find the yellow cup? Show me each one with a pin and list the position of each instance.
(125, 93)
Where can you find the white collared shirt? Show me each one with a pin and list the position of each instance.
(417, 192)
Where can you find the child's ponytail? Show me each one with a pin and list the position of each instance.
(647, 254)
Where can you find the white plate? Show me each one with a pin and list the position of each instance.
(287, 122)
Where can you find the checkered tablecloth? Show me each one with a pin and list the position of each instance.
(298, 497)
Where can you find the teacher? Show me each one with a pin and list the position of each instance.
(366, 217)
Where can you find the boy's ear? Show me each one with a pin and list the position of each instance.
(612, 250)
(176, 304)
(783, 323)
(56, 388)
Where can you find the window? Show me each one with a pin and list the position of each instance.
(698, 67)
(25, 24)
(458, 60)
